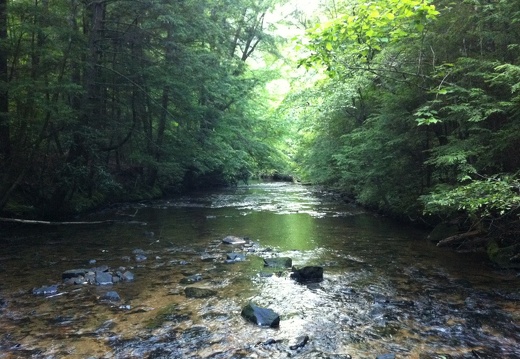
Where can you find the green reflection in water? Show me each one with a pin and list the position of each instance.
(286, 232)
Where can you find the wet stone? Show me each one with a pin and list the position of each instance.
(194, 292)
(386, 356)
(279, 262)
(207, 257)
(106, 326)
(111, 296)
(265, 274)
(62, 320)
(235, 257)
(300, 342)
(46, 290)
(310, 274)
(103, 268)
(90, 278)
(438, 356)
(270, 341)
(74, 273)
(140, 258)
(104, 278)
(263, 317)
(127, 276)
(191, 279)
(234, 240)
(75, 281)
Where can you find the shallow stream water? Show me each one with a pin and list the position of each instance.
(386, 289)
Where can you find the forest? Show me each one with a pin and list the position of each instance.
(410, 108)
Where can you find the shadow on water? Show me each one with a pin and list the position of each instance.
(386, 290)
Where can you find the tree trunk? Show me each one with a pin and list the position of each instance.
(5, 138)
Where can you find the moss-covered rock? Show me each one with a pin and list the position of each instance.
(506, 257)
(442, 231)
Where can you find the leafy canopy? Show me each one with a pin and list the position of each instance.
(365, 28)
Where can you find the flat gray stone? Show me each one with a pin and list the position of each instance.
(233, 240)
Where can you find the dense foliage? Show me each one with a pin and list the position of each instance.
(416, 110)
(115, 100)
(419, 112)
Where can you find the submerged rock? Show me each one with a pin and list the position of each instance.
(386, 356)
(233, 240)
(127, 276)
(46, 290)
(438, 356)
(235, 257)
(209, 257)
(74, 273)
(505, 257)
(111, 296)
(300, 342)
(194, 292)
(264, 317)
(191, 279)
(278, 262)
(309, 274)
(101, 275)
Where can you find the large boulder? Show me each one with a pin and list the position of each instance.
(264, 317)
(309, 274)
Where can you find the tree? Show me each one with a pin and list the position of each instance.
(5, 140)
(113, 100)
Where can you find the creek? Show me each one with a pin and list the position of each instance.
(387, 291)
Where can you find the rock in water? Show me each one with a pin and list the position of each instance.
(104, 278)
(264, 317)
(191, 279)
(235, 257)
(233, 240)
(111, 296)
(386, 356)
(74, 273)
(46, 290)
(310, 274)
(194, 292)
(280, 262)
(300, 342)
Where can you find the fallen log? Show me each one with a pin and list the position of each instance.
(456, 239)
(51, 223)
